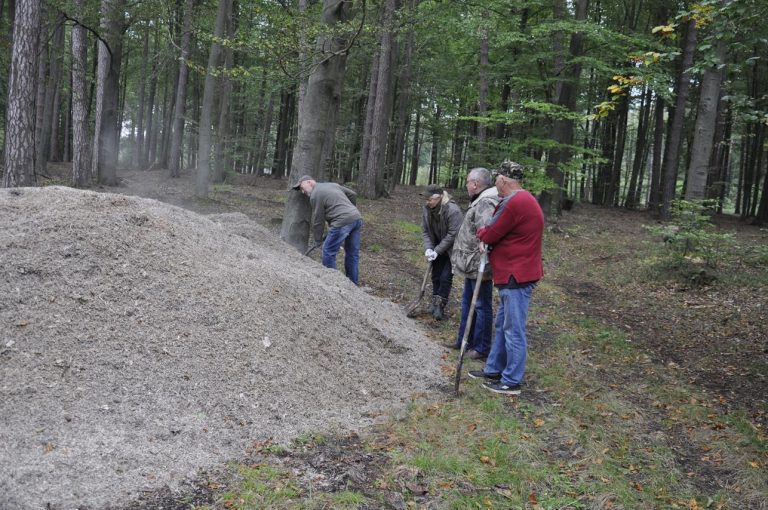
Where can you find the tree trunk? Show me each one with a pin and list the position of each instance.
(706, 121)
(434, 157)
(139, 147)
(562, 129)
(180, 106)
(110, 58)
(41, 153)
(319, 123)
(367, 125)
(57, 62)
(225, 91)
(416, 148)
(371, 177)
(81, 156)
(206, 114)
(20, 108)
(264, 142)
(635, 180)
(675, 134)
(403, 112)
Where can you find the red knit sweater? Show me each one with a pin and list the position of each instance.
(515, 234)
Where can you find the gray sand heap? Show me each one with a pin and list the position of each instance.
(140, 343)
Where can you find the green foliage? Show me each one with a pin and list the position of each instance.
(691, 235)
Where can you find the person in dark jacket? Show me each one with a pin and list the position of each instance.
(514, 236)
(334, 204)
(440, 222)
(466, 261)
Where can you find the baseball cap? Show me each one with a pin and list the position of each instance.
(302, 179)
(432, 189)
(510, 169)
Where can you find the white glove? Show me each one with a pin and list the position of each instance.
(430, 254)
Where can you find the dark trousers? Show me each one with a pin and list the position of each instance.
(442, 276)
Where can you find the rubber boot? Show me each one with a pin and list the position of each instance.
(433, 305)
(439, 313)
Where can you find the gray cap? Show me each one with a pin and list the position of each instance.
(432, 189)
(302, 179)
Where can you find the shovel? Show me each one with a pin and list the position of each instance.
(410, 310)
(470, 316)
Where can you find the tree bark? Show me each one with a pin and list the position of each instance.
(81, 156)
(139, 146)
(318, 126)
(20, 108)
(416, 148)
(562, 129)
(57, 62)
(225, 91)
(675, 134)
(706, 121)
(180, 106)
(372, 176)
(113, 25)
(206, 113)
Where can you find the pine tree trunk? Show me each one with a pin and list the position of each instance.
(57, 61)
(81, 156)
(41, 146)
(20, 108)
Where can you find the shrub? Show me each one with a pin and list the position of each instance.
(690, 235)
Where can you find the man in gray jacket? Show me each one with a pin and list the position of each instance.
(334, 204)
(440, 223)
(466, 261)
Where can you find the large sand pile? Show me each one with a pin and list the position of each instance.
(140, 342)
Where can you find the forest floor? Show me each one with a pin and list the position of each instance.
(647, 381)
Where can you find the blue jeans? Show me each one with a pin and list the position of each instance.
(481, 329)
(350, 236)
(509, 349)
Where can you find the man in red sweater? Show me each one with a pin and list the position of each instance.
(514, 238)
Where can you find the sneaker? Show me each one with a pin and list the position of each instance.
(479, 374)
(473, 354)
(452, 345)
(502, 388)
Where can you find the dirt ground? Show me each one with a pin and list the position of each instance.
(714, 337)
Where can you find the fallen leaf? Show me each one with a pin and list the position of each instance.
(538, 422)
(21, 324)
(533, 498)
(487, 460)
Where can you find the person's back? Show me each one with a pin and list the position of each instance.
(337, 202)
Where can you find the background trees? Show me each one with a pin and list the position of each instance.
(619, 103)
